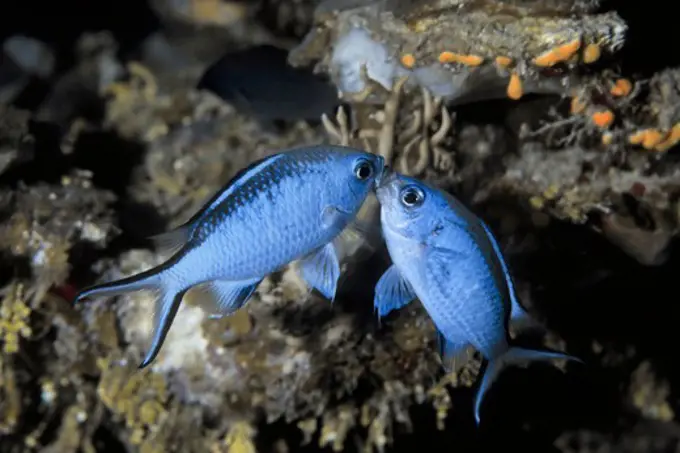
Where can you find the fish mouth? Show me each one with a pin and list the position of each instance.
(382, 168)
(384, 183)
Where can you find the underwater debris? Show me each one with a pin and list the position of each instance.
(239, 439)
(460, 50)
(617, 195)
(220, 13)
(77, 93)
(12, 405)
(288, 17)
(140, 399)
(21, 58)
(16, 143)
(642, 437)
(14, 313)
(45, 221)
(649, 394)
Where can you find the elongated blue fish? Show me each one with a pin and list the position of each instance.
(286, 207)
(447, 257)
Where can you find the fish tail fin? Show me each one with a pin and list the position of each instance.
(144, 280)
(513, 355)
(166, 304)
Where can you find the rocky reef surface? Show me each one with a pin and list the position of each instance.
(536, 113)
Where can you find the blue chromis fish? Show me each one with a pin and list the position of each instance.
(447, 257)
(286, 207)
(259, 81)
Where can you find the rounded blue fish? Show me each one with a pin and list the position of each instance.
(288, 206)
(447, 257)
(259, 81)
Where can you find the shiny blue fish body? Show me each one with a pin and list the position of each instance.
(447, 257)
(286, 207)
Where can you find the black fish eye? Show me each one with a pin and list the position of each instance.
(363, 170)
(412, 196)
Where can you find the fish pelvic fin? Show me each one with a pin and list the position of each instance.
(392, 292)
(166, 305)
(512, 356)
(321, 270)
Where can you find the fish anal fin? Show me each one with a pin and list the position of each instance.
(453, 354)
(392, 292)
(222, 297)
(321, 270)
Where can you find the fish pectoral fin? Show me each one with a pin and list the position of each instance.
(358, 240)
(222, 297)
(169, 243)
(392, 292)
(333, 217)
(321, 270)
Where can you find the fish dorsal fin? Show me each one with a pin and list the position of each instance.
(392, 292)
(321, 270)
(170, 242)
(517, 311)
(234, 183)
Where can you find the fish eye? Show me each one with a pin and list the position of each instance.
(412, 196)
(363, 170)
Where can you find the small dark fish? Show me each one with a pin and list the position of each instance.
(259, 81)
(288, 206)
(447, 257)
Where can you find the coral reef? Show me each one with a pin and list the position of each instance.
(580, 182)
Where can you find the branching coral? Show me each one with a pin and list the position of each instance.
(139, 398)
(14, 318)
